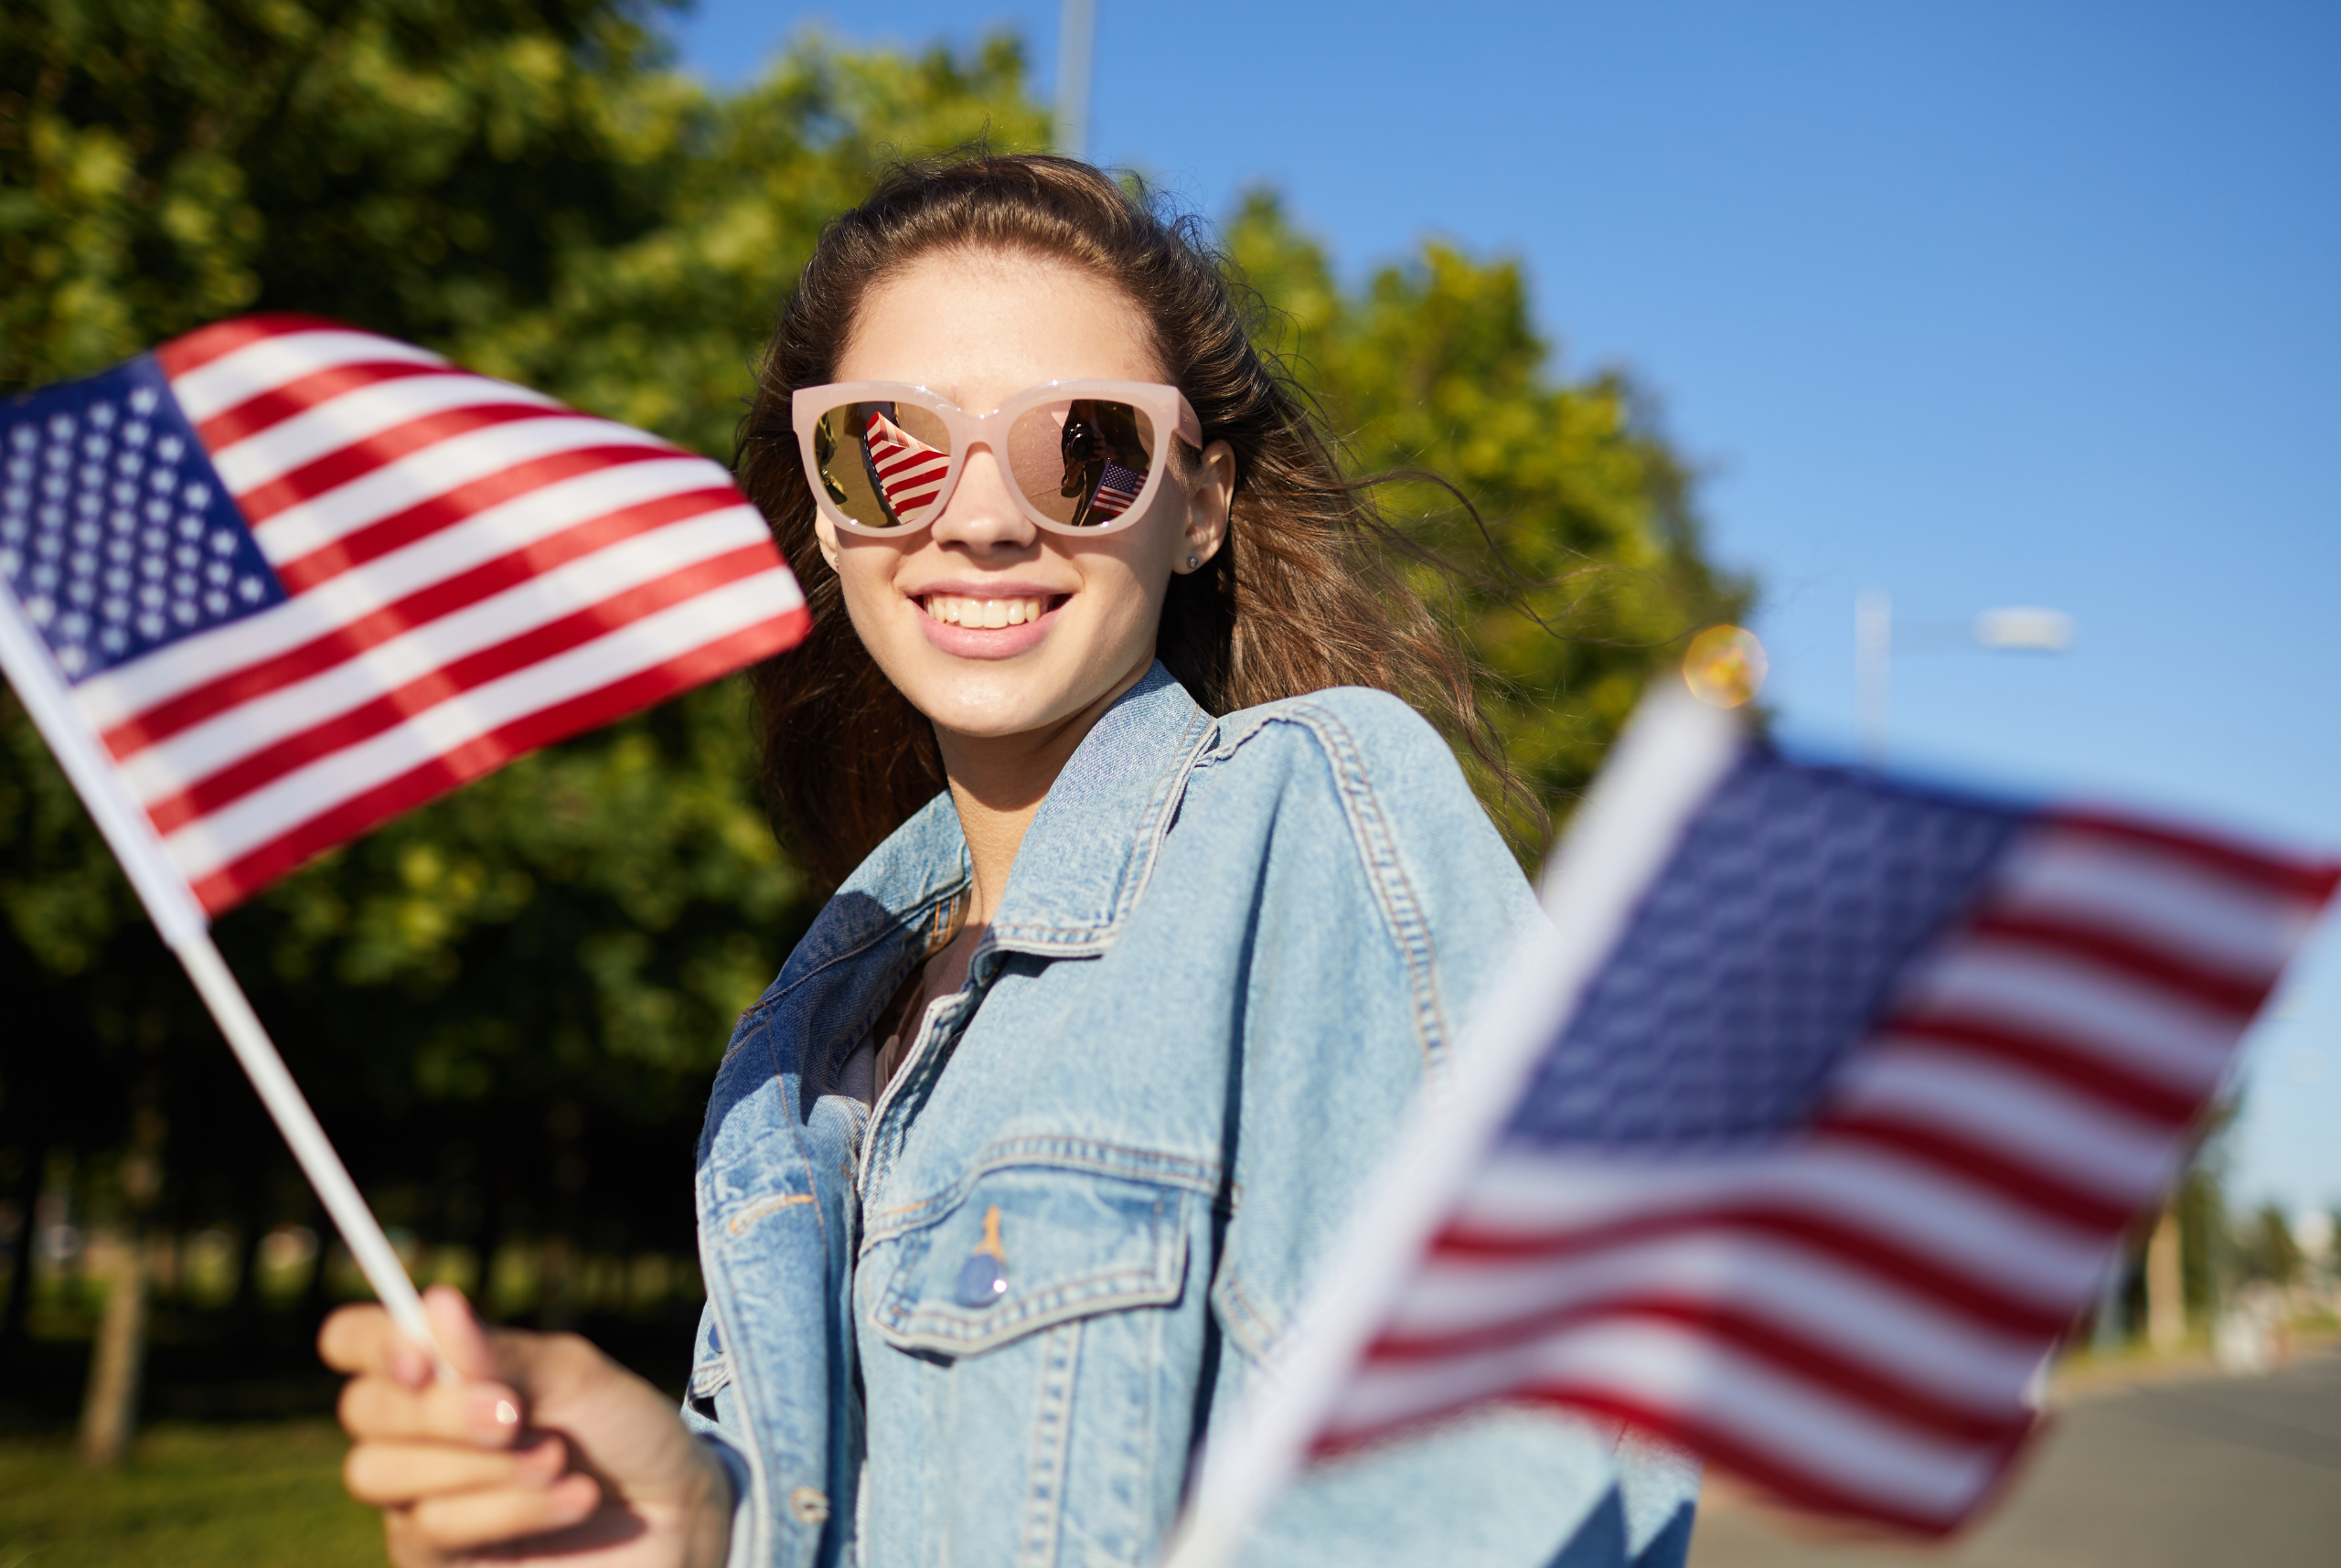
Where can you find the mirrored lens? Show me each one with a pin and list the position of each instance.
(1082, 461)
(881, 464)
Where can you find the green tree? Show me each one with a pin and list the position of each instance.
(2265, 1247)
(1583, 569)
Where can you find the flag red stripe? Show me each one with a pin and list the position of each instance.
(398, 529)
(2099, 1078)
(352, 637)
(298, 396)
(369, 454)
(2042, 1191)
(911, 457)
(238, 881)
(205, 343)
(451, 679)
(1982, 1300)
(2310, 881)
(2098, 948)
(1765, 1465)
(1896, 1398)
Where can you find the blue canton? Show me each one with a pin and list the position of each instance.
(1772, 937)
(115, 533)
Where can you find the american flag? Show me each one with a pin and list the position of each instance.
(1843, 1135)
(909, 471)
(1117, 487)
(300, 578)
(1799, 1136)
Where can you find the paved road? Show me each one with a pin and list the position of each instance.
(2199, 1472)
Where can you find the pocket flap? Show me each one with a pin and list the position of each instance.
(1028, 1246)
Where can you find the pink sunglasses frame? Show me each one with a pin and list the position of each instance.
(1165, 406)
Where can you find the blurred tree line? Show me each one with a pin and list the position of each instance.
(506, 1006)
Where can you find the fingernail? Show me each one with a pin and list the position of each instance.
(493, 1415)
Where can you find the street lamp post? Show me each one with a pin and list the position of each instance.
(2016, 629)
(1076, 38)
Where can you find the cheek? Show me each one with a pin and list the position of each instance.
(865, 577)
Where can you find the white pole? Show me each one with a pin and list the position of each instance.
(1873, 668)
(181, 922)
(1669, 760)
(1076, 39)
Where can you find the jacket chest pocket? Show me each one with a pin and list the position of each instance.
(1026, 1248)
(1032, 1387)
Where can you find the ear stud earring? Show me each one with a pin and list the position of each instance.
(1191, 564)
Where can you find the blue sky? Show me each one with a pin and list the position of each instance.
(1981, 305)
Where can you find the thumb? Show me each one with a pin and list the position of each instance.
(457, 1328)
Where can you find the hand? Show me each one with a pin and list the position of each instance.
(544, 1449)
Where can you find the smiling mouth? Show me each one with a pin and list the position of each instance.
(957, 610)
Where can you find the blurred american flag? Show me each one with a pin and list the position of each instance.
(1843, 1135)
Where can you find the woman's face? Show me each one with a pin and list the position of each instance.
(977, 328)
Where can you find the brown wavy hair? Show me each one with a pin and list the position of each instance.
(1302, 596)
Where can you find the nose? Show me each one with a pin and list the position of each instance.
(981, 513)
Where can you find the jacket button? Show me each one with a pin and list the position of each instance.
(808, 1505)
(983, 1278)
(981, 1281)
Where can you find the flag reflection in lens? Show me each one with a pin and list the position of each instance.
(1083, 461)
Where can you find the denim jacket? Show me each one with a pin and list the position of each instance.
(988, 1322)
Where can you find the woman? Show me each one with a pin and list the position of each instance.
(1155, 919)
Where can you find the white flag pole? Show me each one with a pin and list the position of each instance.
(1669, 760)
(185, 929)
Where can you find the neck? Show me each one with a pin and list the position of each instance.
(997, 782)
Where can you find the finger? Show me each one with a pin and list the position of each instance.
(386, 1475)
(467, 1521)
(356, 1340)
(381, 1409)
(457, 1328)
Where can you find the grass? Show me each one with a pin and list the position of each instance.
(192, 1496)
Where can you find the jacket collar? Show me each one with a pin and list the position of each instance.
(1085, 857)
(1091, 847)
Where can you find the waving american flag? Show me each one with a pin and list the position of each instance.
(299, 578)
(1802, 1135)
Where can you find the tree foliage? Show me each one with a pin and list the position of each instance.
(508, 1003)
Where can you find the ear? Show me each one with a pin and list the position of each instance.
(824, 533)
(1210, 491)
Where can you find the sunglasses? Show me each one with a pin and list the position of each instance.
(1080, 457)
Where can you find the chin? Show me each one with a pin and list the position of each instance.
(985, 704)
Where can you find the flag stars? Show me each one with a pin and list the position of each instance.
(111, 528)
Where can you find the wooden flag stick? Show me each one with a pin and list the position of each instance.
(185, 929)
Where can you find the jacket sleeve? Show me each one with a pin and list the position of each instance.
(1386, 904)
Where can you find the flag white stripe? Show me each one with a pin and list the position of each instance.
(1788, 1418)
(128, 690)
(197, 753)
(204, 845)
(354, 416)
(432, 471)
(1800, 1289)
(1862, 1187)
(271, 362)
(2170, 903)
(2096, 1013)
(2011, 1111)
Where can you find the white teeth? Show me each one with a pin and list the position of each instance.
(954, 611)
